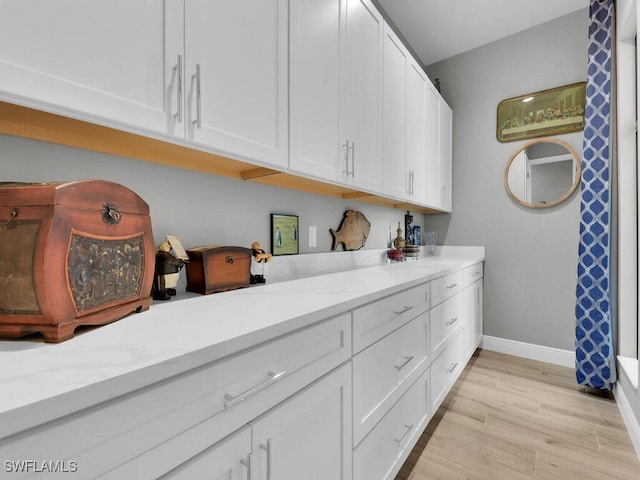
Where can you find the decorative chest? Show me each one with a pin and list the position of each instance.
(216, 269)
(71, 254)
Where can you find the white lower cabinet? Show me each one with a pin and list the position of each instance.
(446, 368)
(312, 403)
(384, 450)
(383, 372)
(308, 436)
(228, 459)
(272, 447)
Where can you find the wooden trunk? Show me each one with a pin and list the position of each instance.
(217, 269)
(71, 254)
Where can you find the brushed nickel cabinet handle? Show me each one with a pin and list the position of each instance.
(347, 148)
(406, 362)
(196, 76)
(452, 285)
(399, 441)
(405, 309)
(452, 367)
(178, 70)
(267, 448)
(353, 159)
(246, 462)
(452, 321)
(231, 400)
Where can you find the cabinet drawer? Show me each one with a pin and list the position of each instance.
(472, 273)
(383, 452)
(445, 369)
(375, 320)
(445, 319)
(443, 287)
(226, 394)
(384, 371)
(228, 458)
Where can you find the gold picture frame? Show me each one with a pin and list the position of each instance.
(542, 114)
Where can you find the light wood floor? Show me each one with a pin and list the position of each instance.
(509, 418)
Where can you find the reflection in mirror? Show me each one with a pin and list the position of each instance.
(542, 173)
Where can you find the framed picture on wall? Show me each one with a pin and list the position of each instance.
(541, 114)
(284, 234)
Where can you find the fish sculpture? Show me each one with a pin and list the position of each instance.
(353, 232)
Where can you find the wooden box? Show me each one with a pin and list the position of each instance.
(71, 254)
(217, 269)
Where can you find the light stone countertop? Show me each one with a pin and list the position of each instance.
(40, 382)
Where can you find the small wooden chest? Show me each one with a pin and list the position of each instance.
(71, 254)
(217, 269)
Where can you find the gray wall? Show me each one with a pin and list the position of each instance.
(530, 254)
(200, 209)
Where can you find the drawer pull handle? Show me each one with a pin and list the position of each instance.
(475, 274)
(406, 362)
(404, 310)
(452, 367)
(267, 448)
(452, 321)
(399, 441)
(452, 285)
(230, 400)
(246, 462)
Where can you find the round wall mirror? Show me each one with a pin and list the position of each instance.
(542, 173)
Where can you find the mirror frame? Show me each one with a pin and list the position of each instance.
(562, 198)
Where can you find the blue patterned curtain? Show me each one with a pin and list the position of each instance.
(595, 356)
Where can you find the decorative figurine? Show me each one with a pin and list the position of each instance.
(399, 241)
(259, 258)
(166, 273)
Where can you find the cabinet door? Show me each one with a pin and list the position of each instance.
(416, 132)
(105, 62)
(236, 75)
(363, 83)
(433, 147)
(472, 312)
(308, 436)
(228, 459)
(445, 159)
(396, 177)
(315, 55)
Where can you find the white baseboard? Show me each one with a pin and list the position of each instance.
(564, 358)
(630, 420)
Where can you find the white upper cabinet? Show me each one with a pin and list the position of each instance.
(213, 71)
(236, 78)
(416, 133)
(335, 71)
(404, 120)
(445, 155)
(106, 62)
(363, 89)
(395, 178)
(315, 88)
(439, 162)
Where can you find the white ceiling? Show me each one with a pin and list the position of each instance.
(438, 29)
